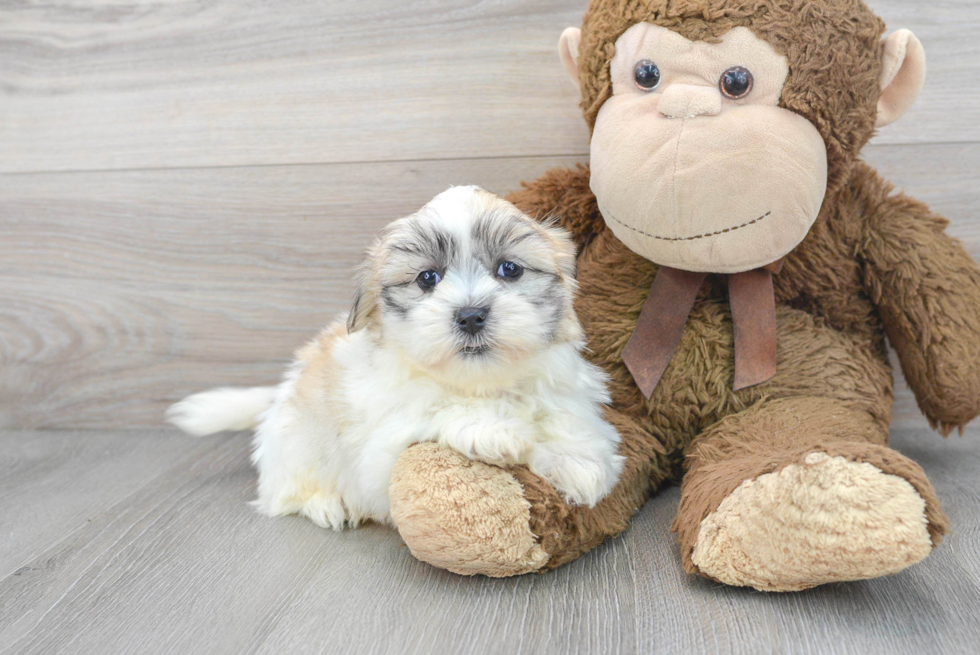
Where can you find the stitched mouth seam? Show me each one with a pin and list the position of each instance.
(699, 236)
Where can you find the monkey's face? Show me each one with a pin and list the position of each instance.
(694, 164)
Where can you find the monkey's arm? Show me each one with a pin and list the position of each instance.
(563, 193)
(927, 289)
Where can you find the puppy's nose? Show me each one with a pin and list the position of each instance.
(472, 319)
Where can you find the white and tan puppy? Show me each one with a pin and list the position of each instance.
(462, 333)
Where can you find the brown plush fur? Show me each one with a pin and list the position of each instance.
(874, 263)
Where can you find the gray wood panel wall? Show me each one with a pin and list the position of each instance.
(185, 186)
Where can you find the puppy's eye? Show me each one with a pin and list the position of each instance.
(428, 279)
(510, 270)
(646, 74)
(736, 82)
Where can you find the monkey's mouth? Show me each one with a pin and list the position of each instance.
(688, 238)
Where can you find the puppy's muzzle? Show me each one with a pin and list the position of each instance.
(472, 319)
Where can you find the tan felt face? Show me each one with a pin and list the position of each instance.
(696, 173)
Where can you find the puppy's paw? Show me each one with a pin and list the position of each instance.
(581, 480)
(306, 497)
(492, 441)
(326, 510)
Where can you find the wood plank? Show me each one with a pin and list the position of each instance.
(224, 83)
(228, 83)
(119, 584)
(125, 291)
(53, 483)
(184, 565)
(928, 608)
(585, 607)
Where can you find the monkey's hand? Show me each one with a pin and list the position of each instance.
(563, 194)
(927, 289)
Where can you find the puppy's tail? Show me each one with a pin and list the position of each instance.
(221, 409)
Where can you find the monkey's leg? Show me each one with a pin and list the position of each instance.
(797, 492)
(473, 518)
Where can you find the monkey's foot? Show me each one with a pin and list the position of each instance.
(461, 515)
(825, 519)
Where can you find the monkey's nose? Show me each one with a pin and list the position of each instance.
(472, 319)
(689, 100)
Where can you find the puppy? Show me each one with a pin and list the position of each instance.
(462, 333)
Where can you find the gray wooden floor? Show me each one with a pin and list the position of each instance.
(142, 542)
(184, 188)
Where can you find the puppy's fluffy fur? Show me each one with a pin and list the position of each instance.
(404, 369)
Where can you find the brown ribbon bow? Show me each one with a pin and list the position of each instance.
(661, 322)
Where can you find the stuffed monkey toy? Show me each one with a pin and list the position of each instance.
(740, 268)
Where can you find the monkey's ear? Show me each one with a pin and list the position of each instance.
(568, 51)
(903, 72)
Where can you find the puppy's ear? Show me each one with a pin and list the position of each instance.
(569, 328)
(365, 307)
(564, 245)
(362, 311)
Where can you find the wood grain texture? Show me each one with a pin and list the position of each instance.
(52, 484)
(182, 564)
(221, 82)
(125, 291)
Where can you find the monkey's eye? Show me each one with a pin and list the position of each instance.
(510, 270)
(428, 279)
(736, 82)
(646, 74)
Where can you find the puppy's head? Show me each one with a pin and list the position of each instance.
(469, 287)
